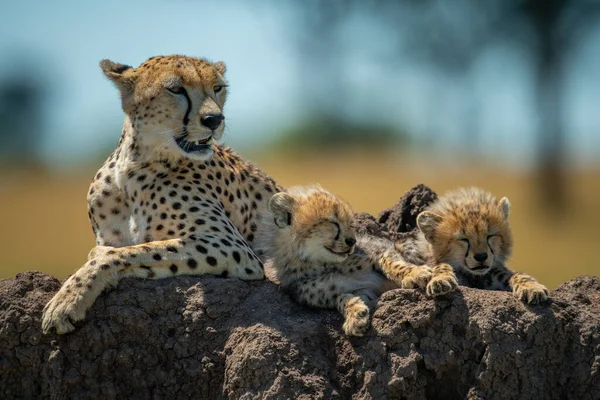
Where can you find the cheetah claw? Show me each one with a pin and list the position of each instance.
(357, 320)
(417, 278)
(61, 312)
(441, 284)
(531, 293)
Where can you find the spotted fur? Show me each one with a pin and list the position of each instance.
(468, 229)
(309, 241)
(168, 201)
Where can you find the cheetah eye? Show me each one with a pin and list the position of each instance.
(337, 236)
(489, 237)
(176, 90)
(465, 240)
(218, 88)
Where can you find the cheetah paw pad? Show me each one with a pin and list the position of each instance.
(531, 293)
(357, 320)
(61, 312)
(441, 284)
(417, 278)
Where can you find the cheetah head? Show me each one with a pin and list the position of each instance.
(468, 229)
(174, 104)
(317, 225)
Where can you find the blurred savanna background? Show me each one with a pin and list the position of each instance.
(368, 98)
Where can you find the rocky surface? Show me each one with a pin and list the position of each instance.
(212, 338)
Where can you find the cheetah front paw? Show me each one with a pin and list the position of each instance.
(531, 292)
(357, 318)
(442, 283)
(60, 312)
(417, 278)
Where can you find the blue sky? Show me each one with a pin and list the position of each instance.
(255, 41)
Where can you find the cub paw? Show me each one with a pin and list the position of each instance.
(60, 312)
(442, 283)
(531, 292)
(357, 318)
(418, 277)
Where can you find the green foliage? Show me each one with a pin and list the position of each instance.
(326, 133)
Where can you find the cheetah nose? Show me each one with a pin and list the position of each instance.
(350, 241)
(481, 257)
(212, 121)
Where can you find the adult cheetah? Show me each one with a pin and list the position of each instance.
(168, 201)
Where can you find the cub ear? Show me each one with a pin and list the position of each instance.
(504, 206)
(428, 223)
(121, 75)
(281, 206)
(220, 66)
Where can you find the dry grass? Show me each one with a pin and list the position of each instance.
(45, 227)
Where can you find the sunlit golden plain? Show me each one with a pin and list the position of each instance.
(45, 226)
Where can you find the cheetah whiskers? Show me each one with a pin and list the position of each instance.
(159, 148)
(226, 133)
(167, 141)
(179, 131)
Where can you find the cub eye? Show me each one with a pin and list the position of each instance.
(489, 237)
(464, 240)
(176, 90)
(218, 88)
(337, 236)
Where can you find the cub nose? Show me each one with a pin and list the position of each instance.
(212, 121)
(481, 257)
(350, 241)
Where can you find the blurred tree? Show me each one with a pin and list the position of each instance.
(451, 35)
(558, 26)
(321, 49)
(21, 110)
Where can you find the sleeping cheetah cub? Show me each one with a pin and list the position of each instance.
(308, 240)
(469, 229)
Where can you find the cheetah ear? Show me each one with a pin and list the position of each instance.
(281, 206)
(118, 73)
(220, 66)
(504, 205)
(121, 75)
(428, 223)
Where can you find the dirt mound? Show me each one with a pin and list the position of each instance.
(210, 338)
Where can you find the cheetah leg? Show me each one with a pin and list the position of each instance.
(526, 288)
(345, 293)
(403, 273)
(106, 265)
(443, 280)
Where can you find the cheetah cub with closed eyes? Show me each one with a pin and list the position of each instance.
(469, 230)
(308, 240)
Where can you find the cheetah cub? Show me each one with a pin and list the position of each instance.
(469, 229)
(308, 240)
